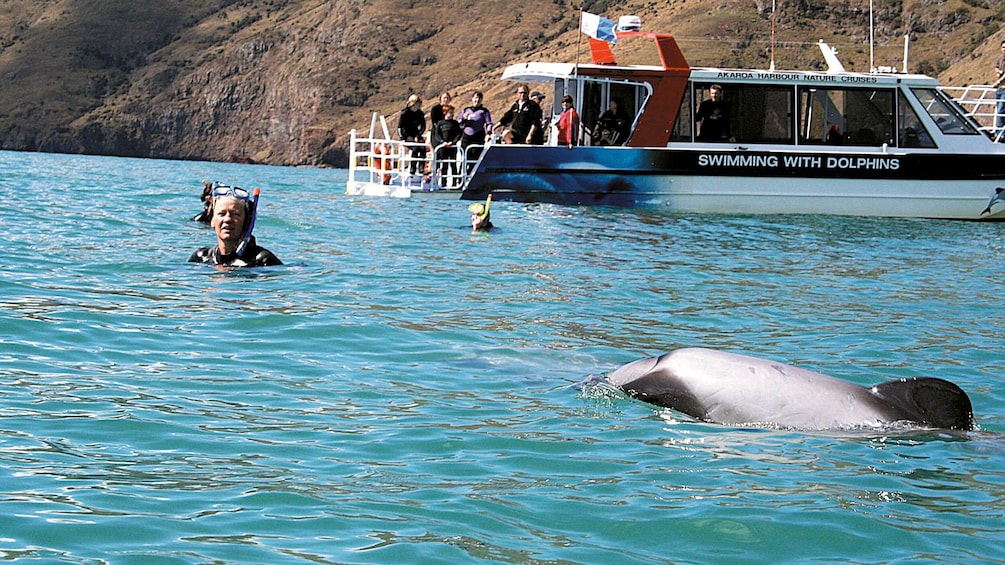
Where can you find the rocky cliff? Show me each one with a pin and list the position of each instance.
(282, 81)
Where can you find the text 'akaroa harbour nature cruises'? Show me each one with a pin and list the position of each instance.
(729, 141)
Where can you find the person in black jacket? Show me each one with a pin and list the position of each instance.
(436, 112)
(523, 118)
(411, 127)
(712, 116)
(446, 136)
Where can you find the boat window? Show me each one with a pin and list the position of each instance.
(682, 130)
(591, 110)
(742, 114)
(911, 132)
(846, 116)
(948, 116)
(597, 97)
(765, 114)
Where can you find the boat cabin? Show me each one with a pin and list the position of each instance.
(773, 108)
(729, 141)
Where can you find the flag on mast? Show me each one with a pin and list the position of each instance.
(598, 27)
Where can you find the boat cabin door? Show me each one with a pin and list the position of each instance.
(601, 127)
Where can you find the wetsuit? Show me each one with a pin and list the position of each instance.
(411, 126)
(205, 216)
(714, 118)
(435, 114)
(475, 121)
(254, 256)
(447, 130)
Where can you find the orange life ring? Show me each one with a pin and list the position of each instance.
(427, 166)
(383, 163)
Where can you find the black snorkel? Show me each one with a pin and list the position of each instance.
(251, 225)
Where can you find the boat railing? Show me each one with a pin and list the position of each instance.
(402, 166)
(980, 104)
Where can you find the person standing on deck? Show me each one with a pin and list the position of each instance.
(446, 135)
(476, 123)
(539, 133)
(712, 116)
(568, 123)
(411, 126)
(436, 112)
(523, 118)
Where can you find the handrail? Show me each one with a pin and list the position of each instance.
(375, 162)
(979, 101)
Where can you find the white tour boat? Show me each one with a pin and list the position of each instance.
(802, 142)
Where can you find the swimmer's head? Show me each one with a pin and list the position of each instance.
(223, 192)
(480, 213)
(207, 191)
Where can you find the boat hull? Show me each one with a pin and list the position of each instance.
(728, 180)
(408, 190)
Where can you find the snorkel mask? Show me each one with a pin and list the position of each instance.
(481, 210)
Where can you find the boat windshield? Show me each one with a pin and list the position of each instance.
(912, 132)
(946, 113)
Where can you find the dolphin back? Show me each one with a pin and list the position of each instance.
(733, 389)
(929, 401)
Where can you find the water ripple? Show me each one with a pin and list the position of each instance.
(404, 391)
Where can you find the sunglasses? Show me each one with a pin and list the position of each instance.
(235, 191)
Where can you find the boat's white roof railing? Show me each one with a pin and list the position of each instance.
(539, 72)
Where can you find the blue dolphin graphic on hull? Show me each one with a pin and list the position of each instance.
(998, 196)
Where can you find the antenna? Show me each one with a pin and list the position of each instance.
(907, 39)
(772, 67)
(872, 41)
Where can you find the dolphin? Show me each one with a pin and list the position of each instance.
(728, 388)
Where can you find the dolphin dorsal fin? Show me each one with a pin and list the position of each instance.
(930, 401)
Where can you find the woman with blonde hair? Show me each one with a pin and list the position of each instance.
(411, 127)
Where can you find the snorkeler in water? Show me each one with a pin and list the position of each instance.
(480, 220)
(207, 204)
(233, 219)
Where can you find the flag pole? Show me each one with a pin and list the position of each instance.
(579, 42)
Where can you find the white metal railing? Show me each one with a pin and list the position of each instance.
(980, 104)
(381, 165)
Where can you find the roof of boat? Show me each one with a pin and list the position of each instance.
(538, 71)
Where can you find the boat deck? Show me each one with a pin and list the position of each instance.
(381, 166)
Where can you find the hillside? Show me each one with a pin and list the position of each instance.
(282, 81)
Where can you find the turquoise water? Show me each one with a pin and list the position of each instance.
(402, 391)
